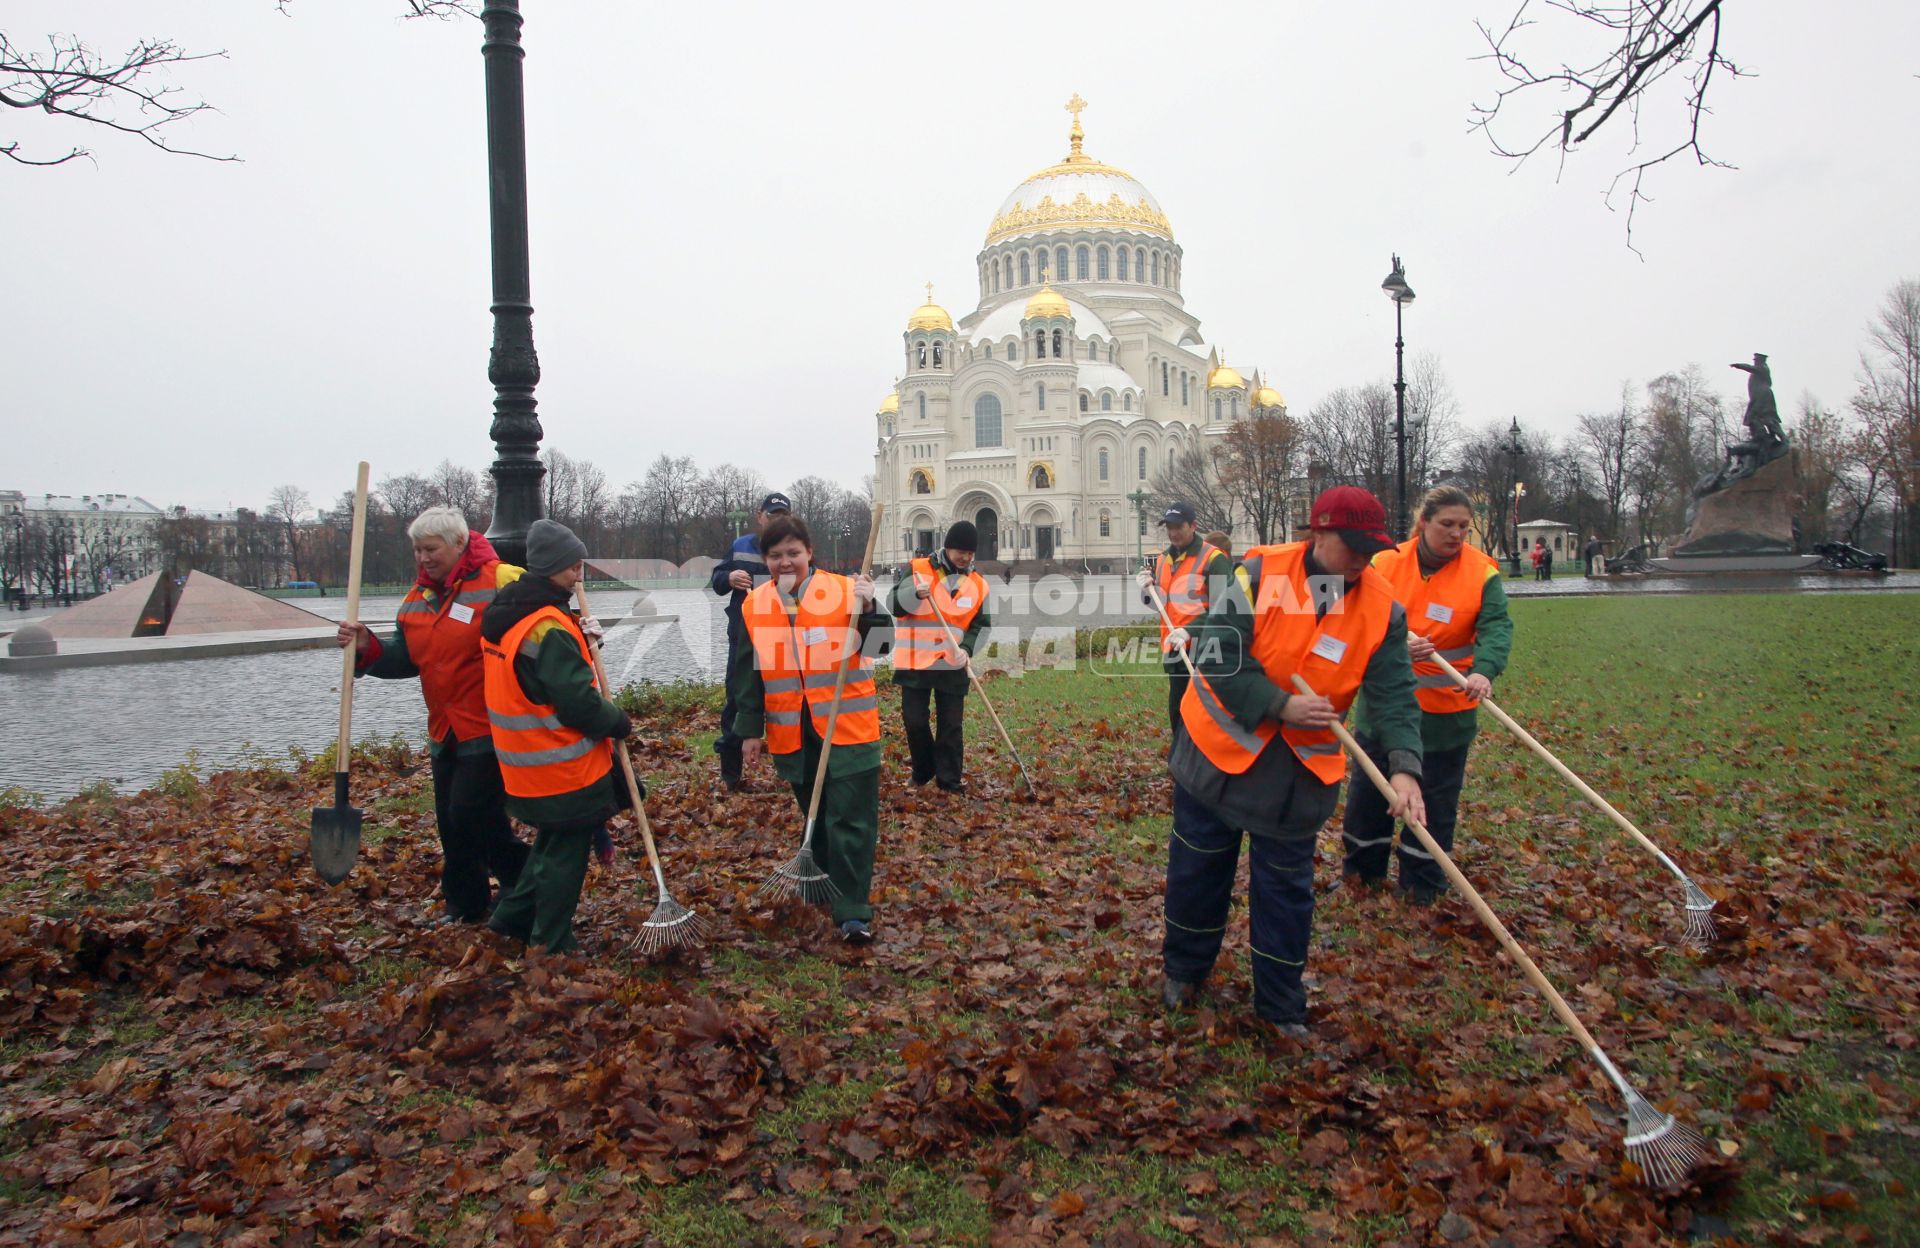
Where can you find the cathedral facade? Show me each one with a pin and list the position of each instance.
(1045, 414)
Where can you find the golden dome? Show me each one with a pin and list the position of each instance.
(890, 406)
(1078, 193)
(1048, 302)
(1267, 396)
(930, 315)
(1224, 377)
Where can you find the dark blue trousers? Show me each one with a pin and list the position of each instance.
(1368, 832)
(1201, 857)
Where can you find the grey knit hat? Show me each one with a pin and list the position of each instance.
(552, 547)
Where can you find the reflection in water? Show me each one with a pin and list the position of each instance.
(63, 730)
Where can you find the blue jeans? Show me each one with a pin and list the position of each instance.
(1201, 858)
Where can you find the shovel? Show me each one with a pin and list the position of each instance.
(334, 840)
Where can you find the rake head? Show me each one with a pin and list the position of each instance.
(670, 926)
(1700, 931)
(799, 877)
(1664, 1149)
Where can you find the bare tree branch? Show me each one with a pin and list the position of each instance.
(72, 80)
(1644, 43)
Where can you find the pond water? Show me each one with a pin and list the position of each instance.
(63, 730)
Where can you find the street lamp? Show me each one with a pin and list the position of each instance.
(1402, 295)
(739, 518)
(1515, 448)
(1139, 500)
(512, 366)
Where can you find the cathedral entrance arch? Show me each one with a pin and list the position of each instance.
(987, 521)
(988, 507)
(1044, 530)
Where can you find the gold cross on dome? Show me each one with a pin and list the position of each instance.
(1075, 105)
(929, 292)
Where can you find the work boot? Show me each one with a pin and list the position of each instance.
(730, 770)
(1296, 1032)
(1176, 995)
(1420, 895)
(856, 932)
(1356, 883)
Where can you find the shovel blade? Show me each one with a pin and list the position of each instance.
(334, 841)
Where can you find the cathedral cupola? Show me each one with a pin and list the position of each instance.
(929, 338)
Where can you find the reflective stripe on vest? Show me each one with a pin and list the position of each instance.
(920, 643)
(1183, 585)
(1287, 638)
(800, 645)
(443, 641)
(539, 756)
(1454, 592)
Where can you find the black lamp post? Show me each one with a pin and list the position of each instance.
(513, 368)
(1402, 295)
(20, 560)
(1515, 448)
(1139, 500)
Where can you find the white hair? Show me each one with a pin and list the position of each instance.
(445, 523)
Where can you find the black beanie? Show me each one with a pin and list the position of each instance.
(961, 535)
(552, 547)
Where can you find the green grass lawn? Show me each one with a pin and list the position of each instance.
(997, 1065)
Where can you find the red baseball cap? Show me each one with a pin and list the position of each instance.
(1355, 515)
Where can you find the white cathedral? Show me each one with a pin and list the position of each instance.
(1071, 386)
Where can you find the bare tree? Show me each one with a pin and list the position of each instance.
(1656, 63)
(1888, 405)
(120, 93)
(462, 489)
(288, 505)
(667, 497)
(1259, 464)
(1613, 443)
(1192, 478)
(1821, 439)
(813, 498)
(1436, 436)
(1350, 434)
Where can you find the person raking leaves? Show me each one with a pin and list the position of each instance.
(939, 592)
(552, 731)
(1183, 576)
(1252, 757)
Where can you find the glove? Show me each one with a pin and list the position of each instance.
(622, 730)
(1146, 579)
(593, 629)
(603, 846)
(1176, 641)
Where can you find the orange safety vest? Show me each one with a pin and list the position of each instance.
(539, 756)
(920, 643)
(1331, 652)
(1183, 587)
(800, 645)
(1445, 609)
(443, 640)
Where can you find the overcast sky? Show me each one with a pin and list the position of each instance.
(734, 208)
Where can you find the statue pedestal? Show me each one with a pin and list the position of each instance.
(1751, 517)
(1708, 565)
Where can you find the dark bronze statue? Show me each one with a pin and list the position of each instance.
(1766, 437)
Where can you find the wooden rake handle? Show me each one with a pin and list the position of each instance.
(350, 657)
(1566, 773)
(620, 749)
(840, 676)
(1480, 907)
(1160, 605)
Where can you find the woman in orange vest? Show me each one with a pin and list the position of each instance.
(1253, 757)
(924, 663)
(1457, 607)
(782, 679)
(553, 729)
(436, 637)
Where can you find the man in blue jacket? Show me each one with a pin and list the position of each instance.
(737, 575)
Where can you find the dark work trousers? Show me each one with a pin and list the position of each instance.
(476, 839)
(539, 909)
(1177, 681)
(846, 830)
(939, 750)
(1368, 832)
(1201, 857)
(727, 744)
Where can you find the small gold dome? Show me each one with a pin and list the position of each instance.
(930, 316)
(1224, 377)
(890, 406)
(1048, 302)
(1267, 396)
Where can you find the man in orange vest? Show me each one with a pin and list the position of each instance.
(1183, 576)
(1252, 756)
(553, 729)
(925, 665)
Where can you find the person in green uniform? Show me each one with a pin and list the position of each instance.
(552, 728)
(924, 665)
(1456, 609)
(789, 658)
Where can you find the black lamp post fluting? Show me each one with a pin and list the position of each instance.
(1515, 448)
(512, 367)
(1402, 295)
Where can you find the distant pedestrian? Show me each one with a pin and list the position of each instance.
(1546, 563)
(734, 578)
(436, 637)
(1592, 552)
(553, 729)
(1538, 554)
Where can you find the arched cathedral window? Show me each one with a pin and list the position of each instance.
(1058, 354)
(1043, 396)
(1103, 463)
(1102, 260)
(1106, 523)
(1140, 264)
(1106, 402)
(1166, 384)
(1143, 463)
(923, 407)
(1039, 344)
(1083, 400)
(986, 421)
(1122, 259)
(1024, 280)
(1060, 263)
(1156, 268)
(936, 355)
(1080, 261)
(923, 354)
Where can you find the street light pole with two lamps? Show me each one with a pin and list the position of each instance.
(1402, 294)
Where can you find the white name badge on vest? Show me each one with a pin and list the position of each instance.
(814, 636)
(1440, 612)
(461, 613)
(1332, 649)
(963, 604)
